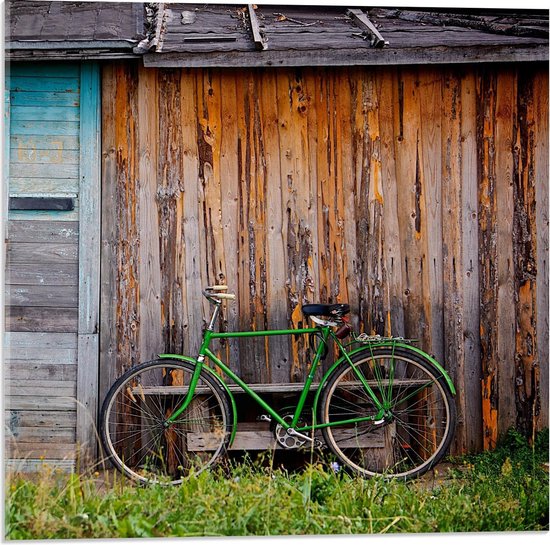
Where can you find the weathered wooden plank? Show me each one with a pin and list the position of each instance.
(46, 215)
(374, 294)
(45, 128)
(89, 256)
(325, 182)
(58, 144)
(45, 232)
(41, 434)
(46, 156)
(229, 192)
(27, 465)
(40, 388)
(209, 160)
(411, 204)
(89, 240)
(393, 247)
(292, 109)
(505, 120)
(42, 274)
(342, 168)
(541, 153)
(348, 198)
(223, 243)
(488, 294)
(40, 449)
(361, 19)
(193, 309)
(33, 252)
(259, 41)
(319, 55)
(261, 388)
(6, 152)
(276, 249)
(44, 187)
(452, 241)
(52, 70)
(41, 319)
(43, 419)
(46, 98)
(40, 340)
(151, 342)
(524, 251)
(265, 440)
(126, 283)
(23, 370)
(109, 241)
(251, 228)
(41, 296)
(30, 403)
(169, 190)
(430, 136)
(42, 113)
(38, 171)
(55, 84)
(86, 394)
(309, 101)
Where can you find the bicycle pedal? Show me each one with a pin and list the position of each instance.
(264, 418)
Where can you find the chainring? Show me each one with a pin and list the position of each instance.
(285, 439)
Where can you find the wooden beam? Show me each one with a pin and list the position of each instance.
(360, 56)
(472, 22)
(259, 39)
(362, 21)
(89, 257)
(260, 439)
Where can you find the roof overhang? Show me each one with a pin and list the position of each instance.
(348, 57)
(230, 35)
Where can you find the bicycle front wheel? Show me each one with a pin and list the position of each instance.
(419, 413)
(137, 437)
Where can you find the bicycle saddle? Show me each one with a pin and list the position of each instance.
(326, 310)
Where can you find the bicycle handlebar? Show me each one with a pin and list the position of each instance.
(229, 296)
(211, 293)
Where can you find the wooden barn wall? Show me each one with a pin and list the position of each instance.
(418, 195)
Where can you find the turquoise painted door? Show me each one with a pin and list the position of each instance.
(52, 276)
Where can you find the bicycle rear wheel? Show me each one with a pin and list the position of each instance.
(419, 419)
(134, 431)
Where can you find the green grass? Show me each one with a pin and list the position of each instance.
(503, 490)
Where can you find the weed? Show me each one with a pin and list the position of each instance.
(503, 490)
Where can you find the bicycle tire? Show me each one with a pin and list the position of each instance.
(420, 421)
(132, 423)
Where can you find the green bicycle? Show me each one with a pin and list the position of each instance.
(384, 407)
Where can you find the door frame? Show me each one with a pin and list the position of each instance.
(89, 261)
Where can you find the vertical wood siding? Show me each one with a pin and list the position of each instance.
(418, 195)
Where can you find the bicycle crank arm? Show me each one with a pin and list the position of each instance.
(293, 432)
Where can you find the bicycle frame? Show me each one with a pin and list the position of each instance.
(325, 333)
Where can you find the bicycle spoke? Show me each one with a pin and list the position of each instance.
(136, 433)
(414, 426)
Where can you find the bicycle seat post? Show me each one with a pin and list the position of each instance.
(212, 293)
(214, 316)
